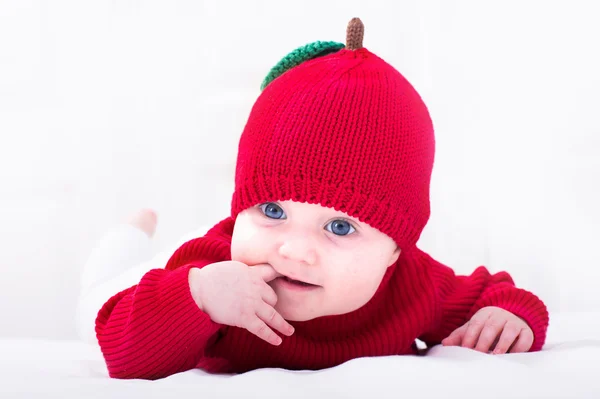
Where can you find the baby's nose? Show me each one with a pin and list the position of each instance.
(298, 249)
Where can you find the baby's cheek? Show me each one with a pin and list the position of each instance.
(239, 249)
(249, 252)
(241, 253)
(243, 240)
(357, 286)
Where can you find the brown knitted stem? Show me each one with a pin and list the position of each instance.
(354, 34)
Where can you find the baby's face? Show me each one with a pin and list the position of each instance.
(337, 261)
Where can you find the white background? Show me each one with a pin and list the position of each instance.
(110, 106)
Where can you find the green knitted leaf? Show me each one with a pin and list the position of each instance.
(298, 56)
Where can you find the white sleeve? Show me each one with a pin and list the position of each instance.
(117, 263)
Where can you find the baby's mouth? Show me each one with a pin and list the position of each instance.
(297, 282)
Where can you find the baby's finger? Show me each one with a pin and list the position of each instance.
(266, 272)
(269, 295)
(509, 334)
(258, 327)
(472, 333)
(455, 338)
(270, 316)
(524, 342)
(491, 330)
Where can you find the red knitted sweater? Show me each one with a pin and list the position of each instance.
(154, 329)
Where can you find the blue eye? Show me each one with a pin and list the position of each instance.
(340, 227)
(272, 211)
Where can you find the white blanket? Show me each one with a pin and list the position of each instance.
(566, 368)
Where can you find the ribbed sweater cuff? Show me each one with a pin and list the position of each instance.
(523, 304)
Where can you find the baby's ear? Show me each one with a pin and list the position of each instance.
(395, 256)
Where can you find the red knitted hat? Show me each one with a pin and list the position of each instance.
(338, 126)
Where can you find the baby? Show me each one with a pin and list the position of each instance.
(318, 262)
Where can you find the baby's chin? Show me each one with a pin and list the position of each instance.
(296, 314)
(300, 315)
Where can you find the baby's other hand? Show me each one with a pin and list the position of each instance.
(493, 328)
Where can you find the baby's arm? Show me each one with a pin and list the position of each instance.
(459, 298)
(154, 329)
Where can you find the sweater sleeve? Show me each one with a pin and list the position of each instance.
(153, 329)
(458, 298)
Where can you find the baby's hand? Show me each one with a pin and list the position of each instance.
(236, 294)
(493, 327)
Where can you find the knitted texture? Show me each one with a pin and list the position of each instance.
(346, 131)
(155, 329)
(354, 34)
(298, 56)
